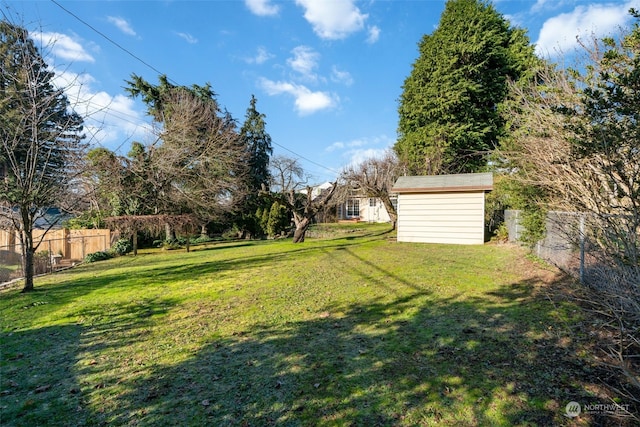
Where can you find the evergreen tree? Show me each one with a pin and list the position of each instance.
(257, 142)
(40, 141)
(449, 116)
(279, 219)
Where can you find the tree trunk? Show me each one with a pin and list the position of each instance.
(302, 225)
(27, 256)
(169, 233)
(135, 242)
(391, 210)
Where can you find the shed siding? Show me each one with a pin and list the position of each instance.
(454, 217)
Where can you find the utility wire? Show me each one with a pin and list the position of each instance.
(110, 40)
(304, 158)
(137, 58)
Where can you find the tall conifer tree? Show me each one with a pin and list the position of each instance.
(257, 142)
(449, 109)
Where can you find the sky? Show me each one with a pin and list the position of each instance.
(327, 74)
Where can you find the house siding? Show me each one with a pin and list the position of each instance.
(366, 212)
(441, 217)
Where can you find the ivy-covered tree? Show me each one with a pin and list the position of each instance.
(40, 141)
(449, 118)
(198, 164)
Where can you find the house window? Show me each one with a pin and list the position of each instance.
(372, 202)
(353, 207)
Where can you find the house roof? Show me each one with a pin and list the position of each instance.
(444, 183)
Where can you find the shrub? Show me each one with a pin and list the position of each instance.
(98, 256)
(122, 247)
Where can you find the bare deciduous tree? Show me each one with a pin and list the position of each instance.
(290, 184)
(202, 155)
(576, 139)
(40, 141)
(374, 178)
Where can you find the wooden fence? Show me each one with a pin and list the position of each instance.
(61, 243)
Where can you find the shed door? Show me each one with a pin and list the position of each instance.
(441, 217)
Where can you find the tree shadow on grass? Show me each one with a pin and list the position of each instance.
(407, 358)
(415, 360)
(47, 374)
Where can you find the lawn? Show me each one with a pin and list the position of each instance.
(350, 328)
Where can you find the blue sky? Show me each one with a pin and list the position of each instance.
(326, 73)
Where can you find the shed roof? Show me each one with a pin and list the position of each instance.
(444, 183)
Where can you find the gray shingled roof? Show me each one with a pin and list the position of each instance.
(441, 183)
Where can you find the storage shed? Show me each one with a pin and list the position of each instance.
(442, 208)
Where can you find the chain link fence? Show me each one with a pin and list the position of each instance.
(566, 243)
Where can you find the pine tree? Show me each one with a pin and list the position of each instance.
(258, 142)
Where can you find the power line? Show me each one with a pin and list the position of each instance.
(110, 40)
(304, 158)
(137, 58)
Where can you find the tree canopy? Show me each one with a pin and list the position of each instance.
(198, 163)
(449, 118)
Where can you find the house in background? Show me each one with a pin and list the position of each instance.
(442, 208)
(355, 208)
(365, 209)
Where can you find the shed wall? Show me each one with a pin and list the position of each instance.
(452, 217)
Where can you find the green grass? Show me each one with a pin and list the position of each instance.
(354, 329)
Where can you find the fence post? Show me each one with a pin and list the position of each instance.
(582, 244)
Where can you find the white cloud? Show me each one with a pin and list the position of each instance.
(262, 7)
(304, 61)
(262, 55)
(558, 34)
(122, 25)
(62, 46)
(187, 37)
(340, 76)
(108, 120)
(358, 156)
(374, 35)
(306, 101)
(361, 149)
(334, 19)
(335, 146)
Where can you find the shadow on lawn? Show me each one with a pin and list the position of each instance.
(47, 374)
(412, 358)
(416, 360)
